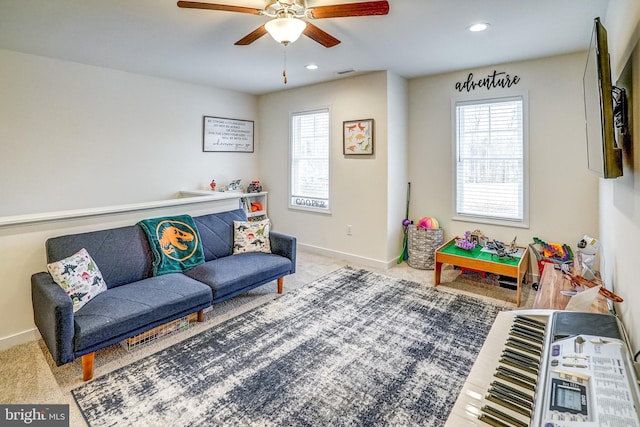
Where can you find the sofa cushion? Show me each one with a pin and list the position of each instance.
(126, 308)
(230, 275)
(123, 254)
(216, 232)
(79, 276)
(251, 236)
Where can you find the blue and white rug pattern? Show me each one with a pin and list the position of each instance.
(354, 348)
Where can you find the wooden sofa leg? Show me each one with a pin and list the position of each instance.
(200, 315)
(87, 366)
(280, 283)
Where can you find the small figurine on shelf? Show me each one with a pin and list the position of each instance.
(235, 186)
(213, 185)
(254, 187)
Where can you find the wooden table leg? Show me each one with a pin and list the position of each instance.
(438, 270)
(523, 267)
(87, 366)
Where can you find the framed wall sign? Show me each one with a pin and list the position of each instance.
(231, 135)
(357, 137)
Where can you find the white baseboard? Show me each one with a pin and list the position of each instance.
(364, 261)
(19, 338)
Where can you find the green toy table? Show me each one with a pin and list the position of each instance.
(476, 259)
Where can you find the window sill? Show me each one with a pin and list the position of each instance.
(492, 221)
(311, 210)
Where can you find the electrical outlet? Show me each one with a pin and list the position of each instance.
(349, 230)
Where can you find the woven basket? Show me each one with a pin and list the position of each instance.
(422, 244)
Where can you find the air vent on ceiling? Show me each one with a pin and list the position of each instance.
(350, 70)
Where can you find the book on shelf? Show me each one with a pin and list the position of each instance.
(247, 205)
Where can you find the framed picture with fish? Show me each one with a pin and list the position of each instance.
(357, 137)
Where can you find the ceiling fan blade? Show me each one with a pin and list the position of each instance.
(322, 37)
(350, 9)
(252, 36)
(214, 6)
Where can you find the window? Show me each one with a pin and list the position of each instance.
(490, 161)
(309, 187)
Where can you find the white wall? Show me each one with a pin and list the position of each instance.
(398, 174)
(358, 183)
(77, 136)
(563, 193)
(560, 184)
(620, 198)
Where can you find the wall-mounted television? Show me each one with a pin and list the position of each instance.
(601, 98)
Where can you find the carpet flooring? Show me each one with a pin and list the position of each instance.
(352, 348)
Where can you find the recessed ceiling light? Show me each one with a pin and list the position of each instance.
(478, 27)
(311, 67)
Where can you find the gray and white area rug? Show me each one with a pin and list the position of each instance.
(354, 348)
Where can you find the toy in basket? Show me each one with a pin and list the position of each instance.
(553, 253)
(428, 222)
(423, 240)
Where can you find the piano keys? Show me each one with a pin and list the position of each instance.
(537, 368)
(500, 388)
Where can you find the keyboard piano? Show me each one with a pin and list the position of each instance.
(543, 368)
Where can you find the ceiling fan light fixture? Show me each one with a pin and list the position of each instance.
(285, 30)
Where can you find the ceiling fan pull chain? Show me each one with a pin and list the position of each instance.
(284, 69)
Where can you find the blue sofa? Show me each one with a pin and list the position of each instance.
(135, 300)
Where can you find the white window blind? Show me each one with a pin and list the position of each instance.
(490, 159)
(310, 160)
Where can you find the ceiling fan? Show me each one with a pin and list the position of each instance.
(287, 16)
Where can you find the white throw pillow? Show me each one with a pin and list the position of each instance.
(79, 276)
(251, 236)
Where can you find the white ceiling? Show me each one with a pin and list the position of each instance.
(416, 38)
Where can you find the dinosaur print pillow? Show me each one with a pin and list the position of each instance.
(251, 236)
(79, 276)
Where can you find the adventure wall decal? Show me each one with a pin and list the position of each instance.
(491, 81)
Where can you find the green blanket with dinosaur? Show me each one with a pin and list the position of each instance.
(175, 243)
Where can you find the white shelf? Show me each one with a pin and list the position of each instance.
(106, 210)
(260, 197)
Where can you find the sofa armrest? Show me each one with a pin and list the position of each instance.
(53, 315)
(284, 245)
